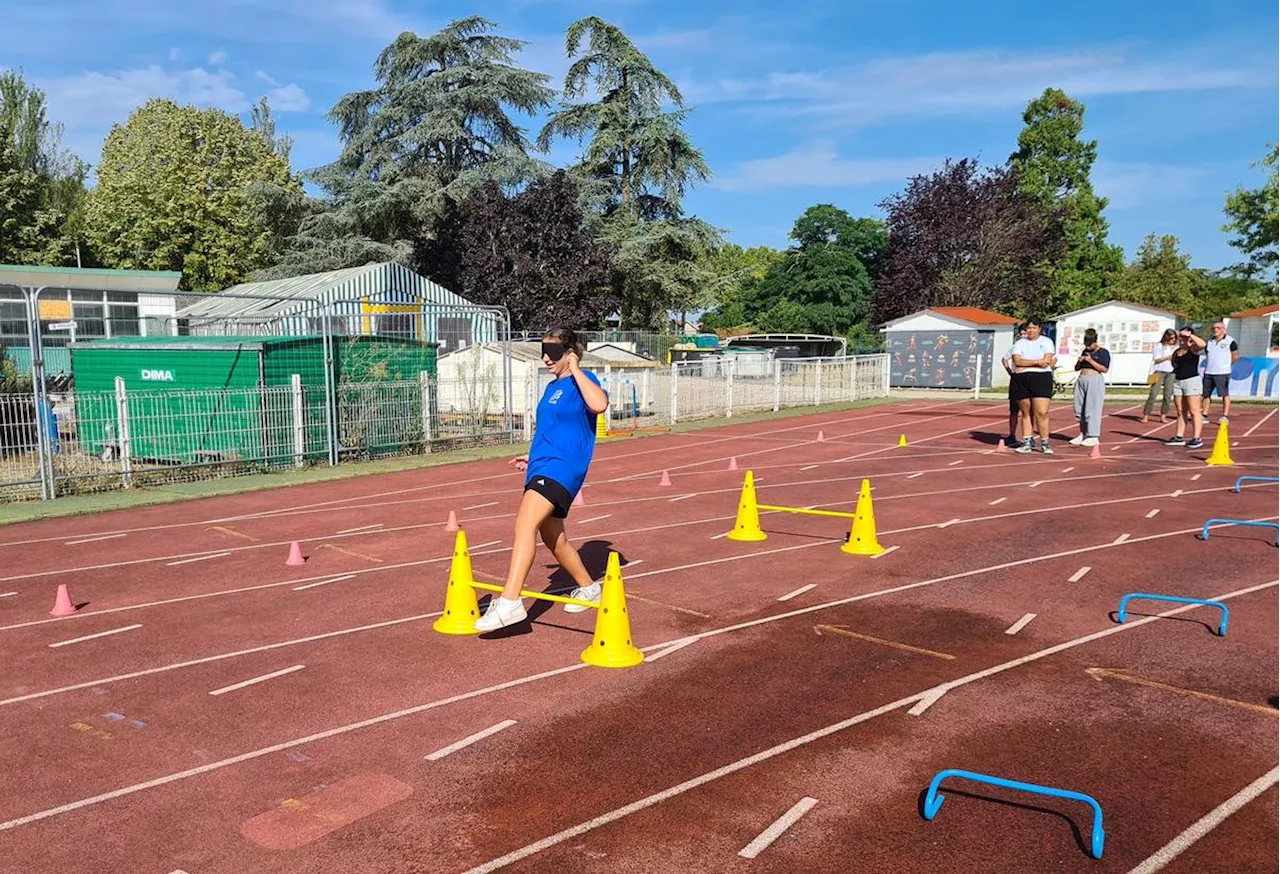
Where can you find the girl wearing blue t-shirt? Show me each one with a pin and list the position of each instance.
(556, 467)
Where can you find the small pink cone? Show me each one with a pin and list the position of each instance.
(733, 463)
(452, 524)
(295, 555)
(62, 605)
(666, 479)
(1000, 447)
(821, 438)
(579, 500)
(1096, 452)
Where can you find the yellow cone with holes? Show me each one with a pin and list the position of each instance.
(612, 647)
(862, 536)
(902, 439)
(461, 607)
(602, 426)
(747, 526)
(1221, 453)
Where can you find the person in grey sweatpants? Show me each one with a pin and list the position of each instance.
(1090, 389)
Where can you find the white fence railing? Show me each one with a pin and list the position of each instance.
(97, 441)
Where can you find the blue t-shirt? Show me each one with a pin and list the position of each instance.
(565, 438)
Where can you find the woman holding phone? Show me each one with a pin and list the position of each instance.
(556, 467)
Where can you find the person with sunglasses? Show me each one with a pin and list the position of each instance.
(556, 466)
(1186, 389)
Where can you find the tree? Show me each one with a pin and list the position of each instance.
(529, 252)
(638, 165)
(1255, 221)
(436, 127)
(173, 193)
(965, 237)
(1160, 276)
(43, 221)
(737, 271)
(1052, 165)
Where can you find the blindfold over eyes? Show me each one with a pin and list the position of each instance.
(554, 351)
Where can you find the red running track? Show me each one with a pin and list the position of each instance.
(776, 672)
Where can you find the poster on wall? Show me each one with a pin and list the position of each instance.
(1256, 377)
(1117, 337)
(939, 359)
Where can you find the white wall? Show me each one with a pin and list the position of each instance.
(1001, 344)
(1253, 335)
(1118, 326)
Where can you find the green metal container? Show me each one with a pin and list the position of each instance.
(203, 399)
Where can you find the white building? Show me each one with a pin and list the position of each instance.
(943, 347)
(1129, 331)
(1253, 330)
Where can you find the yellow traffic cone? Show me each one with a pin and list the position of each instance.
(612, 647)
(602, 426)
(747, 526)
(1221, 453)
(902, 439)
(862, 535)
(461, 608)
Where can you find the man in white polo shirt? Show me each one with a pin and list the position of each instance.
(1032, 383)
(1219, 356)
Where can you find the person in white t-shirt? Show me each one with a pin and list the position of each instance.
(1032, 383)
(1162, 370)
(1219, 357)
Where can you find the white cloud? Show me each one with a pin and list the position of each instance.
(288, 98)
(820, 165)
(1136, 185)
(98, 99)
(967, 83)
(217, 59)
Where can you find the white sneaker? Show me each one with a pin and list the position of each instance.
(1078, 440)
(501, 613)
(583, 593)
(1089, 441)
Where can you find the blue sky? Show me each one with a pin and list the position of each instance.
(794, 103)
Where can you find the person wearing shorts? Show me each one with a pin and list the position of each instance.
(556, 467)
(1032, 385)
(1187, 390)
(1016, 426)
(1220, 353)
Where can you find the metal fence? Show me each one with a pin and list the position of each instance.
(160, 398)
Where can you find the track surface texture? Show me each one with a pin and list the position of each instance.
(794, 703)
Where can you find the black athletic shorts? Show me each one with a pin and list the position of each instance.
(1033, 384)
(557, 494)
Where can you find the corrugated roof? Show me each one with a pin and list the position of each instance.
(976, 315)
(89, 278)
(529, 351)
(1260, 311)
(387, 281)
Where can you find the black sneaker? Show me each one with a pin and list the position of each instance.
(1175, 441)
(1195, 443)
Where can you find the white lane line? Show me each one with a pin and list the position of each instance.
(887, 550)
(161, 669)
(1121, 539)
(7, 594)
(1176, 494)
(197, 558)
(1068, 469)
(480, 506)
(1153, 513)
(361, 528)
(720, 536)
(780, 825)
(914, 475)
(927, 701)
(678, 645)
(948, 523)
(954, 463)
(681, 498)
(1020, 624)
(595, 519)
(1036, 483)
(1249, 433)
(92, 636)
(1207, 823)
(255, 680)
(1196, 477)
(799, 591)
(1079, 575)
(997, 501)
(919, 698)
(324, 582)
(469, 740)
(94, 539)
(810, 467)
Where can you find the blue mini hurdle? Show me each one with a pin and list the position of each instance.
(1260, 479)
(933, 799)
(1204, 532)
(1124, 603)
